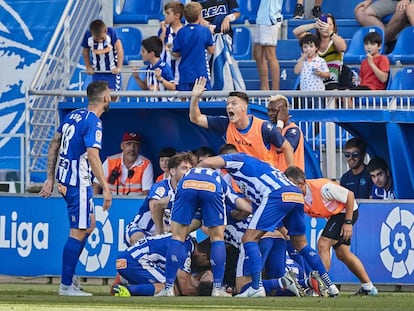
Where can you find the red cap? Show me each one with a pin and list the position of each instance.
(131, 136)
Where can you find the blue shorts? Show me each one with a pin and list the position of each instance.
(79, 204)
(114, 81)
(142, 271)
(189, 199)
(282, 206)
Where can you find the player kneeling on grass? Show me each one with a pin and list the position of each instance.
(143, 266)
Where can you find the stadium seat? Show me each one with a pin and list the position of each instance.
(132, 83)
(242, 43)
(340, 9)
(404, 48)
(137, 11)
(403, 79)
(131, 38)
(356, 52)
(288, 49)
(248, 11)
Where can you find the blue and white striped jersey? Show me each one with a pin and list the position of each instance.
(154, 249)
(102, 61)
(80, 129)
(255, 178)
(143, 219)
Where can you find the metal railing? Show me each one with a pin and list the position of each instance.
(326, 146)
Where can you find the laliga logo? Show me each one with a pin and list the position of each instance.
(96, 252)
(397, 243)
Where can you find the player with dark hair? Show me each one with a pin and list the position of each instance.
(74, 151)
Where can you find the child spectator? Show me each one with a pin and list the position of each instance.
(192, 43)
(159, 76)
(383, 188)
(103, 53)
(311, 67)
(165, 155)
(375, 68)
(173, 12)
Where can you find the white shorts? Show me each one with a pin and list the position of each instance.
(267, 34)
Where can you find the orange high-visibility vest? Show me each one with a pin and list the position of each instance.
(321, 208)
(251, 142)
(133, 184)
(298, 154)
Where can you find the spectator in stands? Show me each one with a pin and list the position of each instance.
(128, 172)
(219, 14)
(173, 12)
(311, 67)
(326, 199)
(383, 188)
(331, 46)
(164, 156)
(278, 113)
(193, 43)
(159, 76)
(357, 178)
(103, 54)
(371, 13)
(248, 133)
(375, 68)
(300, 10)
(268, 24)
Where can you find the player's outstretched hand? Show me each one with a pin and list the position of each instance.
(199, 87)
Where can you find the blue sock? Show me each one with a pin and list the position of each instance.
(141, 289)
(254, 263)
(275, 266)
(218, 262)
(294, 255)
(71, 252)
(265, 245)
(246, 286)
(270, 285)
(174, 259)
(314, 260)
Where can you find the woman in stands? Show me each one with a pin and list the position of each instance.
(332, 46)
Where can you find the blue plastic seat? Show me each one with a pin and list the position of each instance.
(131, 38)
(242, 43)
(248, 11)
(288, 49)
(403, 79)
(356, 52)
(340, 9)
(404, 48)
(132, 83)
(137, 11)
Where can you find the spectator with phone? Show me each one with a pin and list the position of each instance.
(331, 46)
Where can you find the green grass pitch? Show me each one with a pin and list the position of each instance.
(44, 297)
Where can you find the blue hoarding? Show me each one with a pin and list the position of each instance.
(33, 231)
